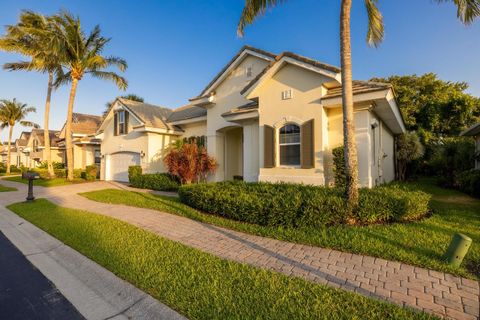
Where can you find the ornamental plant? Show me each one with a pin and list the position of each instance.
(189, 162)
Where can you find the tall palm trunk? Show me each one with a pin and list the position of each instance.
(351, 166)
(46, 131)
(10, 132)
(68, 130)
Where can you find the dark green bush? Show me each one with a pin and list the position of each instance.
(134, 173)
(339, 166)
(154, 181)
(293, 205)
(469, 182)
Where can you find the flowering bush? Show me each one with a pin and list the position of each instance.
(189, 162)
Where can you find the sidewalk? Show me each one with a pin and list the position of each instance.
(435, 292)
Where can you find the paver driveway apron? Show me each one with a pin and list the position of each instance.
(435, 292)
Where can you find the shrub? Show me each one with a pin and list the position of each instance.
(408, 149)
(77, 173)
(90, 173)
(469, 182)
(293, 205)
(56, 165)
(189, 162)
(339, 166)
(154, 181)
(134, 172)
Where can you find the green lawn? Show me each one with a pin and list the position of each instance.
(420, 243)
(46, 182)
(5, 189)
(197, 284)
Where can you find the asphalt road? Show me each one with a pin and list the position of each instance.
(25, 293)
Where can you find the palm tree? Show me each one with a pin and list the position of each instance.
(33, 36)
(82, 55)
(467, 11)
(11, 113)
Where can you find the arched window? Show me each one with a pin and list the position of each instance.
(289, 141)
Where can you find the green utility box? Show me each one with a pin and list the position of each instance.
(458, 249)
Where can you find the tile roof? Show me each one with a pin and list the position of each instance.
(252, 105)
(472, 131)
(85, 123)
(358, 87)
(53, 134)
(187, 112)
(151, 115)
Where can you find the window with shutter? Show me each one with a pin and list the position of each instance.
(268, 147)
(308, 145)
(115, 124)
(289, 143)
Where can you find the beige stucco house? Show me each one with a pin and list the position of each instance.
(86, 145)
(266, 117)
(474, 131)
(34, 150)
(4, 153)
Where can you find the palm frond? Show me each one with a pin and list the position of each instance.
(29, 124)
(120, 63)
(252, 10)
(61, 78)
(111, 76)
(467, 10)
(376, 30)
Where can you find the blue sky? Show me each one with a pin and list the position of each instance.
(175, 47)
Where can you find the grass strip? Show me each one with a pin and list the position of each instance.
(197, 284)
(55, 182)
(6, 189)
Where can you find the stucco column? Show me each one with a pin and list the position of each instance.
(251, 159)
(216, 149)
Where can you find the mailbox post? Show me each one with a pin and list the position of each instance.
(30, 176)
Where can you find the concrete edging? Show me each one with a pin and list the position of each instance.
(93, 290)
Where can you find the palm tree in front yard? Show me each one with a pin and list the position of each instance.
(467, 11)
(11, 113)
(33, 37)
(82, 55)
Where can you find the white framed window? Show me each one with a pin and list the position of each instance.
(287, 94)
(121, 122)
(289, 144)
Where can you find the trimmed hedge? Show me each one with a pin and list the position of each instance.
(154, 181)
(469, 182)
(297, 206)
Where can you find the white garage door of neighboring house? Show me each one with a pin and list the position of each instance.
(117, 168)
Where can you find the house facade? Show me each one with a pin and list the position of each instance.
(34, 150)
(86, 145)
(265, 117)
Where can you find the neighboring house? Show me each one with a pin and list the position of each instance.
(134, 133)
(266, 118)
(21, 144)
(474, 131)
(13, 153)
(86, 146)
(35, 148)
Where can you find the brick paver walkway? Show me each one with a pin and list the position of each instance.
(435, 292)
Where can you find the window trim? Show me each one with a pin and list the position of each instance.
(119, 123)
(279, 145)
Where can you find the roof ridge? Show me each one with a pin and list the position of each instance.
(87, 114)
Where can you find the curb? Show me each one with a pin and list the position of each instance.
(93, 290)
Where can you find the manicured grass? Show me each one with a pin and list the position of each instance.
(420, 243)
(197, 284)
(46, 182)
(5, 189)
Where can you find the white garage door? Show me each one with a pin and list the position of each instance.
(119, 163)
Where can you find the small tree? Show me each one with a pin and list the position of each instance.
(409, 148)
(189, 162)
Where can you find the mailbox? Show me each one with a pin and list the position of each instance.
(30, 176)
